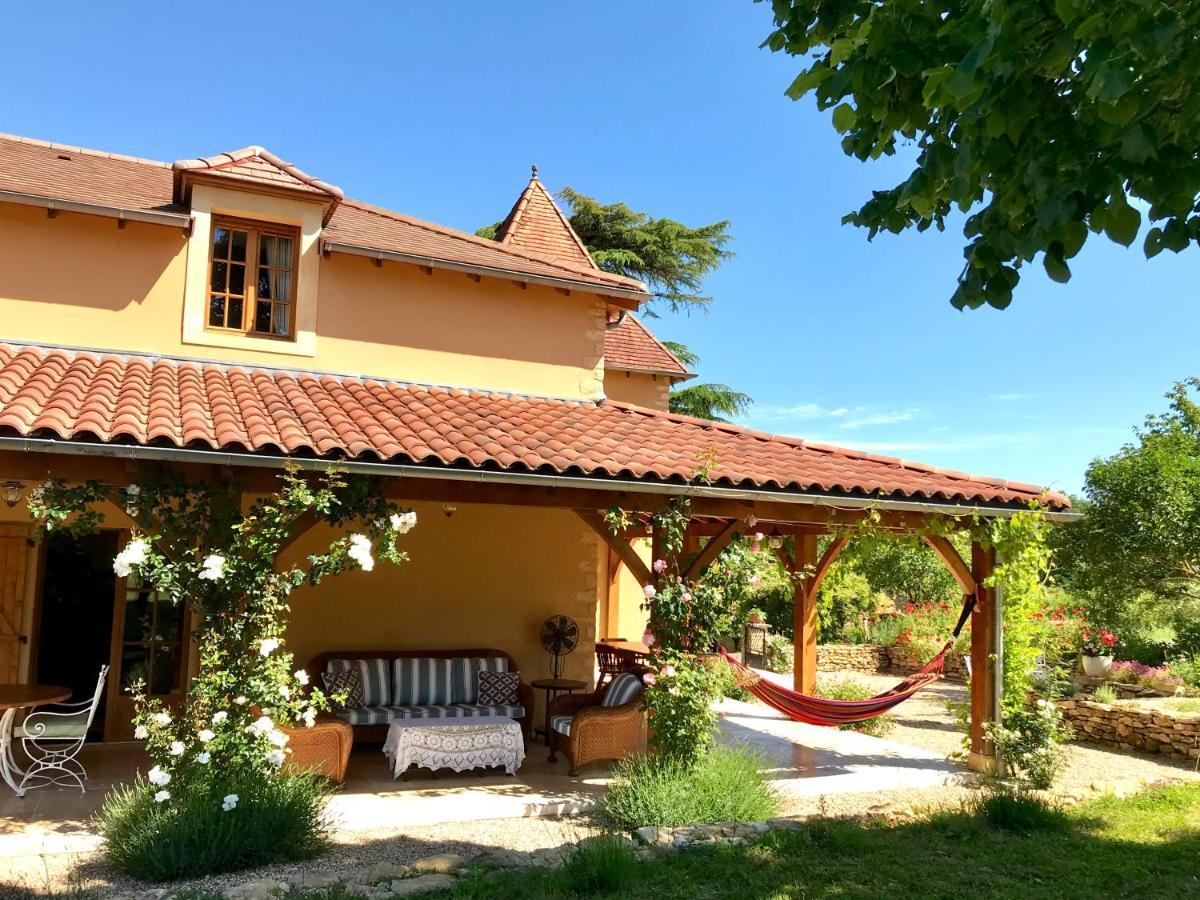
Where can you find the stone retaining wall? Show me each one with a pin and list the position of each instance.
(852, 657)
(1148, 730)
(870, 658)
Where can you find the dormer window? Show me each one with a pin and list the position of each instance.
(252, 277)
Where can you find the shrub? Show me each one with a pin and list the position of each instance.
(1164, 679)
(273, 819)
(1105, 693)
(680, 695)
(780, 654)
(1020, 812)
(726, 785)
(1030, 743)
(602, 865)
(1187, 670)
(845, 689)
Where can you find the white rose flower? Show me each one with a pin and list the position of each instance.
(263, 724)
(240, 701)
(278, 738)
(302, 676)
(141, 733)
(402, 523)
(267, 646)
(230, 801)
(219, 717)
(133, 490)
(285, 692)
(360, 551)
(162, 796)
(203, 757)
(214, 568)
(158, 777)
(206, 735)
(162, 718)
(133, 554)
(310, 717)
(275, 757)
(177, 748)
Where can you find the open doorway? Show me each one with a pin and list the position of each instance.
(74, 636)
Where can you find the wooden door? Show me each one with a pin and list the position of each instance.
(150, 644)
(14, 568)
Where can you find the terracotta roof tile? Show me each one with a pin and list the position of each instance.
(536, 223)
(630, 347)
(88, 176)
(85, 395)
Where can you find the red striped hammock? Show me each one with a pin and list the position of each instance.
(824, 711)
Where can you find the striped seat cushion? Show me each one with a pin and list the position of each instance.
(382, 715)
(561, 724)
(422, 681)
(624, 688)
(464, 678)
(374, 676)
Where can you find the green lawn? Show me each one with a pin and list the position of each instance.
(1146, 846)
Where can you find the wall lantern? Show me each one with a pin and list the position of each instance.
(449, 510)
(775, 541)
(12, 492)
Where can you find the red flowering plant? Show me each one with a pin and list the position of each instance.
(1097, 641)
(925, 627)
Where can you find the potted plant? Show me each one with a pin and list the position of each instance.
(1097, 649)
(756, 616)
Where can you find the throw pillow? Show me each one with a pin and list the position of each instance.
(499, 688)
(347, 683)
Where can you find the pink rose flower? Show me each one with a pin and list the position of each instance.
(687, 596)
(648, 638)
(754, 579)
(649, 678)
(660, 566)
(649, 591)
(668, 671)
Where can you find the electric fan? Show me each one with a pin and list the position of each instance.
(559, 636)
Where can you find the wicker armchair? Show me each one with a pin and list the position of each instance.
(324, 748)
(596, 732)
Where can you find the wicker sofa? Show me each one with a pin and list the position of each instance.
(390, 676)
(605, 724)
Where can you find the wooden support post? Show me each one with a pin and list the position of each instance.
(984, 666)
(951, 560)
(618, 545)
(708, 555)
(805, 614)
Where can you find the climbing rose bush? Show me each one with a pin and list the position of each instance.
(681, 691)
(196, 546)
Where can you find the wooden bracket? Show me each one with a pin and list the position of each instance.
(950, 558)
(709, 553)
(828, 558)
(618, 545)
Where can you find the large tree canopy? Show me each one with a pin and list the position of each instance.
(1141, 529)
(718, 402)
(1041, 119)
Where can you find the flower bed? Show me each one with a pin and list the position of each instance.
(1129, 728)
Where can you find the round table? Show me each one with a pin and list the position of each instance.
(12, 698)
(553, 687)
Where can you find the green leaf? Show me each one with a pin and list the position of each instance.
(1121, 221)
(1056, 267)
(1065, 10)
(1153, 245)
(806, 81)
(844, 117)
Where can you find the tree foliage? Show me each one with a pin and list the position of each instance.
(718, 402)
(1141, 531)
(1041, 119)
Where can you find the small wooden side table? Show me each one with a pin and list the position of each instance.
(553, 687)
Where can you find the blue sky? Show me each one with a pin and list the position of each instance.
(438, 110)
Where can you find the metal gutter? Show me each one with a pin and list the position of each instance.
(480, 476)
(490, 271)
(120, 213)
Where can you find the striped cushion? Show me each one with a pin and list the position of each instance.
(624, 687)
(464, 679)
(381, 715)
(421, 681)
(561, 724)
(373, 675)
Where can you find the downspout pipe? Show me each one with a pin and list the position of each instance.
(482, 476)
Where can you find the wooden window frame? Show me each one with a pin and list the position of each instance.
(253, 229)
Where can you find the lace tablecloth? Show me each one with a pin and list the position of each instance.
(458, 744)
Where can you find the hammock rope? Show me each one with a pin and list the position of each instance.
(830, 713)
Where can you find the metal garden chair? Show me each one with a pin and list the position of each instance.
(52, 738)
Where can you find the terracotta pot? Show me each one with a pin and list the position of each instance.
(755, 619)
(1095, 666)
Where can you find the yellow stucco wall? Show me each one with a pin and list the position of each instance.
(487, 577)
(80, 281)
(639, 388)
(623, 614)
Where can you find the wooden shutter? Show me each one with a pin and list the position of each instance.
(14, 559)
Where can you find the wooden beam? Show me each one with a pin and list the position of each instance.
(709, 553)
(636, 565)
(300, 527)
(804, 614)
(949, 556)
(984, 617)
(828, 558)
